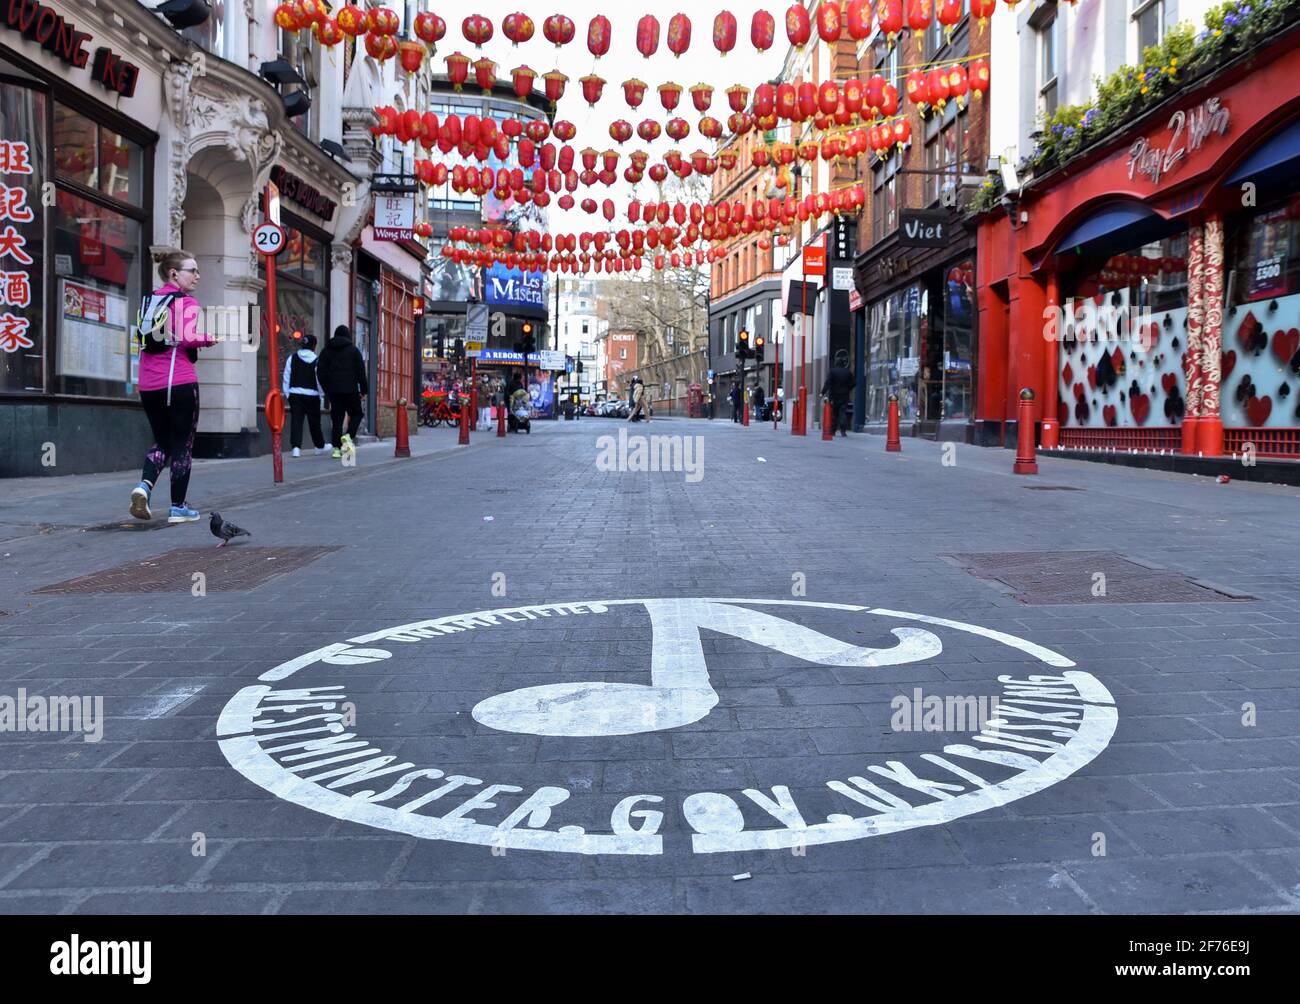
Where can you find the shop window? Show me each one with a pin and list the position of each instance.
(884, 199)
(1151, 18)
(1261, 351)
(22, 312)
(945, 150)
(301, 301)
(88, 154)
(958, 364)
(211, 35)
(1045, 23)
(894, 335)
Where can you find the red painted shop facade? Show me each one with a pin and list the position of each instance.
(1149, 291)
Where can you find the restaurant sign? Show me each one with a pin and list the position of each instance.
(1188, 131)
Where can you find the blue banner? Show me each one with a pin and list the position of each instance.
(510, 287)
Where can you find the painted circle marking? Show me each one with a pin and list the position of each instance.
(297, 740)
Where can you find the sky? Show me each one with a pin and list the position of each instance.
(700, 64)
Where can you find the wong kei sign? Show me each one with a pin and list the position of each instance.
(1187, 131)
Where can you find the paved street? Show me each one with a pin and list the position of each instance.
(685, 700)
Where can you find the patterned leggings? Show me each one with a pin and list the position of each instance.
(173, 436)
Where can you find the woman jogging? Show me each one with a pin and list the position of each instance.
(167, 328)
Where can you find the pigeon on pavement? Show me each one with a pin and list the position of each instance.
(226, 531)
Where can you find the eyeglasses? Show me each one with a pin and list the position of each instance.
(194, 270)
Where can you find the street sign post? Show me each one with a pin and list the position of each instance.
(269, 241)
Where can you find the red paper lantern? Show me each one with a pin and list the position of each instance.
(679, 34)
(724, 32)
(855, 95)
(678, 129)
(620, 131)
(875, 92)
(740, 123)
(727, 158)
(958, 84)
(564, 131)
(937, 81)
(649, 130)
(309, 12)
(829, 23)
(477, 29)
(634, 92)
(599, 33)
(702, 97)
(512, 128)
(738, 97)
(554, 83)
(979, 76)
(902, 132)
(670, 95)
(807, 100)
(518, 27)
(760, 158)
(538, 130)
(919, 14)
(918, 90)
(607, 210)
(523, 77)
(889, 15)
(857, 20)
(328, 32)
(764, 100)
(411, 55)
(352, 20)
(889, 101)
(380, 47)
(429, 28)
(711, 127)
(949, 14)
(798, 26)
(592, 88)
(787, 100)
(982, 10)
(828, 97)
(558, 30)
(485, 74)
(384, 21)
(762, 31)
(658, 174)
(647, 35)
(808, 151)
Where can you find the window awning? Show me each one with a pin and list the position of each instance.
(1281, 153)
(1111, 223)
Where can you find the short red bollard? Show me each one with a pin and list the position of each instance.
(744, 414)
(827, 419)
(501, 421)
(473, 410)
(403, 434)
(464, 421)
(1025, 461)
(892, 442)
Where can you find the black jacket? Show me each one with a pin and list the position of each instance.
(341, 368)
(839, 383)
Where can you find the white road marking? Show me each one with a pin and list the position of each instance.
(168, 701)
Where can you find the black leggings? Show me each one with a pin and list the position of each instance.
(173, 428)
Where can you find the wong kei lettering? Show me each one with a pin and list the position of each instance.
(1189, 129)
(48, 29)
(15, 286)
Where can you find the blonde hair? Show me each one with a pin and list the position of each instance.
(169, 261)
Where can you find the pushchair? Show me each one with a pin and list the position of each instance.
(519, 417)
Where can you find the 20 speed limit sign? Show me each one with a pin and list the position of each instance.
(268, 239)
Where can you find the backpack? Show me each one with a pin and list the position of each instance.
(151, 322)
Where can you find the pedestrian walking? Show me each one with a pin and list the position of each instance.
(735, 397)
(759, 401)
(341, 370)
(301, 388)
(837, 388)
(167, 329)
(639, 402)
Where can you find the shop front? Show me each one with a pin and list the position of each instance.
(919, 328)
(1151, 296)
(76, 225)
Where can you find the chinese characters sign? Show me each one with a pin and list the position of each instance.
(15, 281)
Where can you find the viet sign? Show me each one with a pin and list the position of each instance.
(923, 228)
(292, 731)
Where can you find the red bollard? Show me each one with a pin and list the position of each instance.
(744, 414)
(473, 410)
(501, 421)
(892, 443)
(403, 434)
(1025, 462)
(464, 421)
(827, 420)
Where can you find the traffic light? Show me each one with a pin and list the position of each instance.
(742, 345)
(579, 365)
(530, 342)
(458, 350)
(760, 345)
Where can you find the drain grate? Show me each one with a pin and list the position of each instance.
(1045, 577)
(1052, 488)
(224, 569)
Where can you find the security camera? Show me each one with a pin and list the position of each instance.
(1010, 180)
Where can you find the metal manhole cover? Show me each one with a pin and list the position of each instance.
(128, 526)
(1045, 577)
(225, 569)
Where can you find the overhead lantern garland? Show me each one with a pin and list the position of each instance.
(518, 27)
(558, 30)
(599, 33)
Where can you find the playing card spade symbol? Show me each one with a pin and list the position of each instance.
(1106, 371)
(1284, 391)
(1175, 406)
(1081, 411)
(1245, 389)
(1176, 344)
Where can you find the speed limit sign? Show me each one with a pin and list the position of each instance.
(268, 239)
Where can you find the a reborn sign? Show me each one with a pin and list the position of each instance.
(291, 733)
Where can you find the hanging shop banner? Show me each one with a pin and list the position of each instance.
(394, 217)
(510, 287)
(924, 228)
(814, 260)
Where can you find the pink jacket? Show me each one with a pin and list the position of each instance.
(156, 368)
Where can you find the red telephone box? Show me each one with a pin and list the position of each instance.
(694, 401)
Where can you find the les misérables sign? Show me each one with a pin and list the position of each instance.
(48, 29)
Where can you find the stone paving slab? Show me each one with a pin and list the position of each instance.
(1200, 812)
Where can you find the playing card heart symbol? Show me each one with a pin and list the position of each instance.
(1068, 374)
(1078, 391)
(1169, 381)
(1258, 409)
(1110, 413)
(1227, 363)
(1285, 344)
(1092, 377)
(1140, 405)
